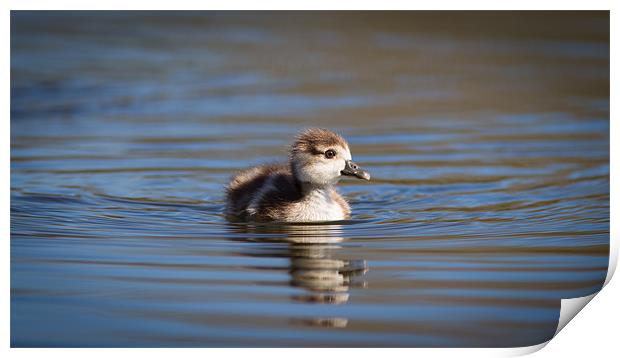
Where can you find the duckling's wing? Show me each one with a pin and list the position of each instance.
(248, 186)
(279, 196)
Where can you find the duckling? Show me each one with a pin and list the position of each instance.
(302, 190)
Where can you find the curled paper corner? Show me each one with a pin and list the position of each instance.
(522, 351)
(613, 260)
(569, 309)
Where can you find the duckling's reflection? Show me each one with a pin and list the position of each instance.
(311, 250)
(326, 279)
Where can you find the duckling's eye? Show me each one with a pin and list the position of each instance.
(330, 153)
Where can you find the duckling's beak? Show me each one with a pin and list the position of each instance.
(353, 169)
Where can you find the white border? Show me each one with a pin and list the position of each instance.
(312, 5)
(593, 334)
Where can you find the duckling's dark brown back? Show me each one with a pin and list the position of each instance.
(246, 186)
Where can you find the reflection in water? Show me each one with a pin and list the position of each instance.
(311, 250)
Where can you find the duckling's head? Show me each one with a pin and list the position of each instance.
(321, 157)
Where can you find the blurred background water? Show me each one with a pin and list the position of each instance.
(486, 134)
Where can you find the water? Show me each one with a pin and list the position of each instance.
(486, 135)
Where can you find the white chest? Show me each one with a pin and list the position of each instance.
(317, 206)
